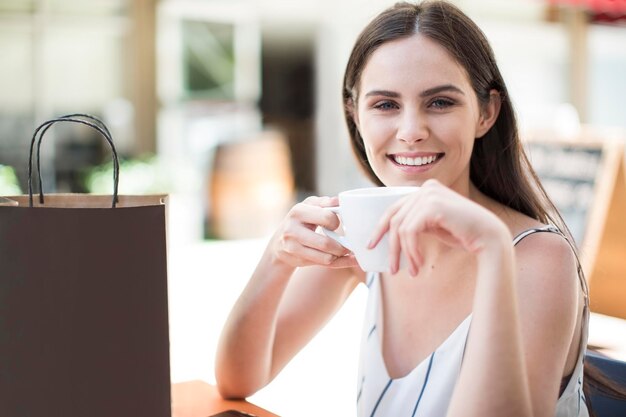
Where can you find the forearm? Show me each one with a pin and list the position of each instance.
(493, 379)
(244, 354)
(277, 313)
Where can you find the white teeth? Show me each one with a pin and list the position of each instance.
(418, 161)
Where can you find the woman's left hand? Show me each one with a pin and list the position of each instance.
(438, 211)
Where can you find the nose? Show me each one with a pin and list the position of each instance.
(412, 127)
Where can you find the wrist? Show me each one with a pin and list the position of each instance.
(496, 243)
(278, 265)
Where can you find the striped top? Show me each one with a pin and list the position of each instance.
(426, 390)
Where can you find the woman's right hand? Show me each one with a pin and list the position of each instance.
(296, 242)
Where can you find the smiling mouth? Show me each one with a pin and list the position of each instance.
(416, 161)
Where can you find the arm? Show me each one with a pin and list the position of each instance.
(522, 327)
(516, 350)
(493, 379)
(550, 315)
(300, 282)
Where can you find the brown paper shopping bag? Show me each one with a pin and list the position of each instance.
(83, 301)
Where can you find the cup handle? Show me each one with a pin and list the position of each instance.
(334, 235)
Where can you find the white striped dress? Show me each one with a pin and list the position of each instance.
(426, 390)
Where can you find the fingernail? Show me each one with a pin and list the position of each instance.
(369, 244)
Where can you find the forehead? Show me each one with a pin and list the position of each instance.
(416, 61)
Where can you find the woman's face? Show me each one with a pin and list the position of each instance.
(418, 114)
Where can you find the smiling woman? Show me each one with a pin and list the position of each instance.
(491, 297)
(425, 125)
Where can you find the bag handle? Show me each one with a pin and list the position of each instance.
(101, 124)
(92, 122)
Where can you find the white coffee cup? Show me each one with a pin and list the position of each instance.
(360, 210)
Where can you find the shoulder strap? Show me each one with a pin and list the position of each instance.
(553, 229)
(525, 233)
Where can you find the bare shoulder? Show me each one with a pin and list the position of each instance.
(546, 251)
(546, 262)
(541, 249)
(547, 276)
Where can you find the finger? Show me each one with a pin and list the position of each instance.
(412, 254)
(446, 237)
(394, 249)
(399, 235)
(451, 235)
(408, 252)
(448, 230)
(321, 201)
(315, 200)
(347, 261)
(383, 225)
(413, 217)
(329, 202)
(305, 255)
(324, 243)
(303, 236)
(314, 216)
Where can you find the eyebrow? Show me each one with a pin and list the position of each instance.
(425, 93)
(441, 88)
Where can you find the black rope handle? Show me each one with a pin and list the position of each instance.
(95, 124)
(43, 132)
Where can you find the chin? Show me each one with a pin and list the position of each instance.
(403, 183)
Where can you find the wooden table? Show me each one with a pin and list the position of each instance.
(200, 399)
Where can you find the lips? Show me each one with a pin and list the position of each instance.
(416, 160)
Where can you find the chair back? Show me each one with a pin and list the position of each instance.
(604, 405)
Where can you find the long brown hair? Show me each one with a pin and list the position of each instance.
(499, 167)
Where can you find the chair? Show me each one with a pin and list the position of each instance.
(603, 405)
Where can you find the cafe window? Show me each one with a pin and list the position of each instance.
(607, 83)
(59, 57)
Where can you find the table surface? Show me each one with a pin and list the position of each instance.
(200, 399)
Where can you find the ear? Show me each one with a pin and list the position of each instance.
(489, 114)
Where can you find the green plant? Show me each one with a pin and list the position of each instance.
(137, 176)
(9, 184)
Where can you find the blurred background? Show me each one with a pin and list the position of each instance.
(188, 86)
(233, 107)
(191, 89)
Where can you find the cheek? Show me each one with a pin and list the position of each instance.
(456, 130)
(375, 132)
(371, 152)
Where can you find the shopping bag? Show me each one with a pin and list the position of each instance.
(83, 300)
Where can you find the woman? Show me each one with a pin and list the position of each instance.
(490, 316)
